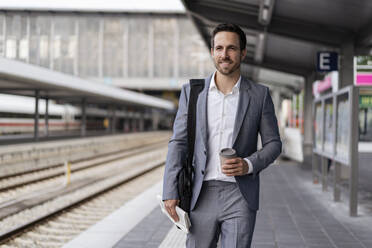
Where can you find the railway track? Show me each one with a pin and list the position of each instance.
(116, 147)
(25, 159)
(17, 184)
(82, 191)
(84, 174)
(21, 179)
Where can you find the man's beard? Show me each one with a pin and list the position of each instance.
(226, 72)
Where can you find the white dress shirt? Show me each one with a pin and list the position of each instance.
(221, 111)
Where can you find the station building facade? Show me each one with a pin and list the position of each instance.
(112, 48)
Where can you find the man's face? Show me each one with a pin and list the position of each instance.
(226, 52)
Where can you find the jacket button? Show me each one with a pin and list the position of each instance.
(205, 152)
(202, 172)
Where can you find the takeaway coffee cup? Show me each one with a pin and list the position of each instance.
(227, 153)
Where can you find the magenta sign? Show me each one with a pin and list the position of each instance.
(363, 70)
(363, 79)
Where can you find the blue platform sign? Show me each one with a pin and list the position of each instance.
(327, 61)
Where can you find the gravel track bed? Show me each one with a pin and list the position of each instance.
(118, 170)
(57, 154)
(61, 229)
(25, 190)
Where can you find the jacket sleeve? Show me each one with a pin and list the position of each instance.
(270, 138)
(177, 148)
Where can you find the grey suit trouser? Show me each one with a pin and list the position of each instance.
(221, 210)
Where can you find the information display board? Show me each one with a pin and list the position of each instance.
(343, 128)
(328, 127)
(336, 137)
(365, 116)
(318, 127)
(363, 70)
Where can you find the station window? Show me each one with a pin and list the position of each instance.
(88, 46)
(365, 124)
(113, 47)
(2, 25)
(27, 116)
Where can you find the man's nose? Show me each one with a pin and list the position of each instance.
(225, 54)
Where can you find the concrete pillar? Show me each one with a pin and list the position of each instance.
(134, 125)
(126, 126)
(142, 123)
(155, 120)
(308, 117)
(300, 111)
(346, 71)
(294, 110)
(83, 118)
(46, 117)
(36, 116)
(113, 119)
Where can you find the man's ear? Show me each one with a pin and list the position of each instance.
(243, 54)
(212, 51)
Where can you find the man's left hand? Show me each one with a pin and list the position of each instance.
(235, 167)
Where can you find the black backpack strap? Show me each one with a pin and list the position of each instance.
(185, 175)
(196, 86)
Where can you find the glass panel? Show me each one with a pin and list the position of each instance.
(113, 48)
(318, 126)
(64, 44)
(342, 129)
(16, 42)
(40, 39)
(328, 133)
(195, 59)
(365, 124)
(164, 42)
(88, 46)
(2, 22)
(138, 59)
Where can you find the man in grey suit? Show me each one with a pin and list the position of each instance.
(231, 112)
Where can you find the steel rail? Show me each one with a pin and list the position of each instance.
(6, 236)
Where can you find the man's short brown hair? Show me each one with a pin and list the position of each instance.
(229, 27)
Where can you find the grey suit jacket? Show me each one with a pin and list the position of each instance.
(255, 115)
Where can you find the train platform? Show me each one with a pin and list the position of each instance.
(294, 212)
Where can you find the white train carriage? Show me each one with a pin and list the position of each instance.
(17, 115)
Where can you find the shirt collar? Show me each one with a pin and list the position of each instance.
(213, 86)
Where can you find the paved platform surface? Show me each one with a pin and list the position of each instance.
(293, 213)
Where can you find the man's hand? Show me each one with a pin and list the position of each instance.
(235, 167)
(170, 206)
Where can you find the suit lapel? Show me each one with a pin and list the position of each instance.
(202, 110)
(244, 99)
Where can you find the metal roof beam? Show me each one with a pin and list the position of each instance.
(295, 29)
(266, 11)
(245, 8)
(279, 66)
(364, 37)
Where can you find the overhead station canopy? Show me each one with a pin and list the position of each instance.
(23, 79)
(137, 6)
(285, 35)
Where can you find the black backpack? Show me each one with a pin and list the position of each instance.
(186, 173)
